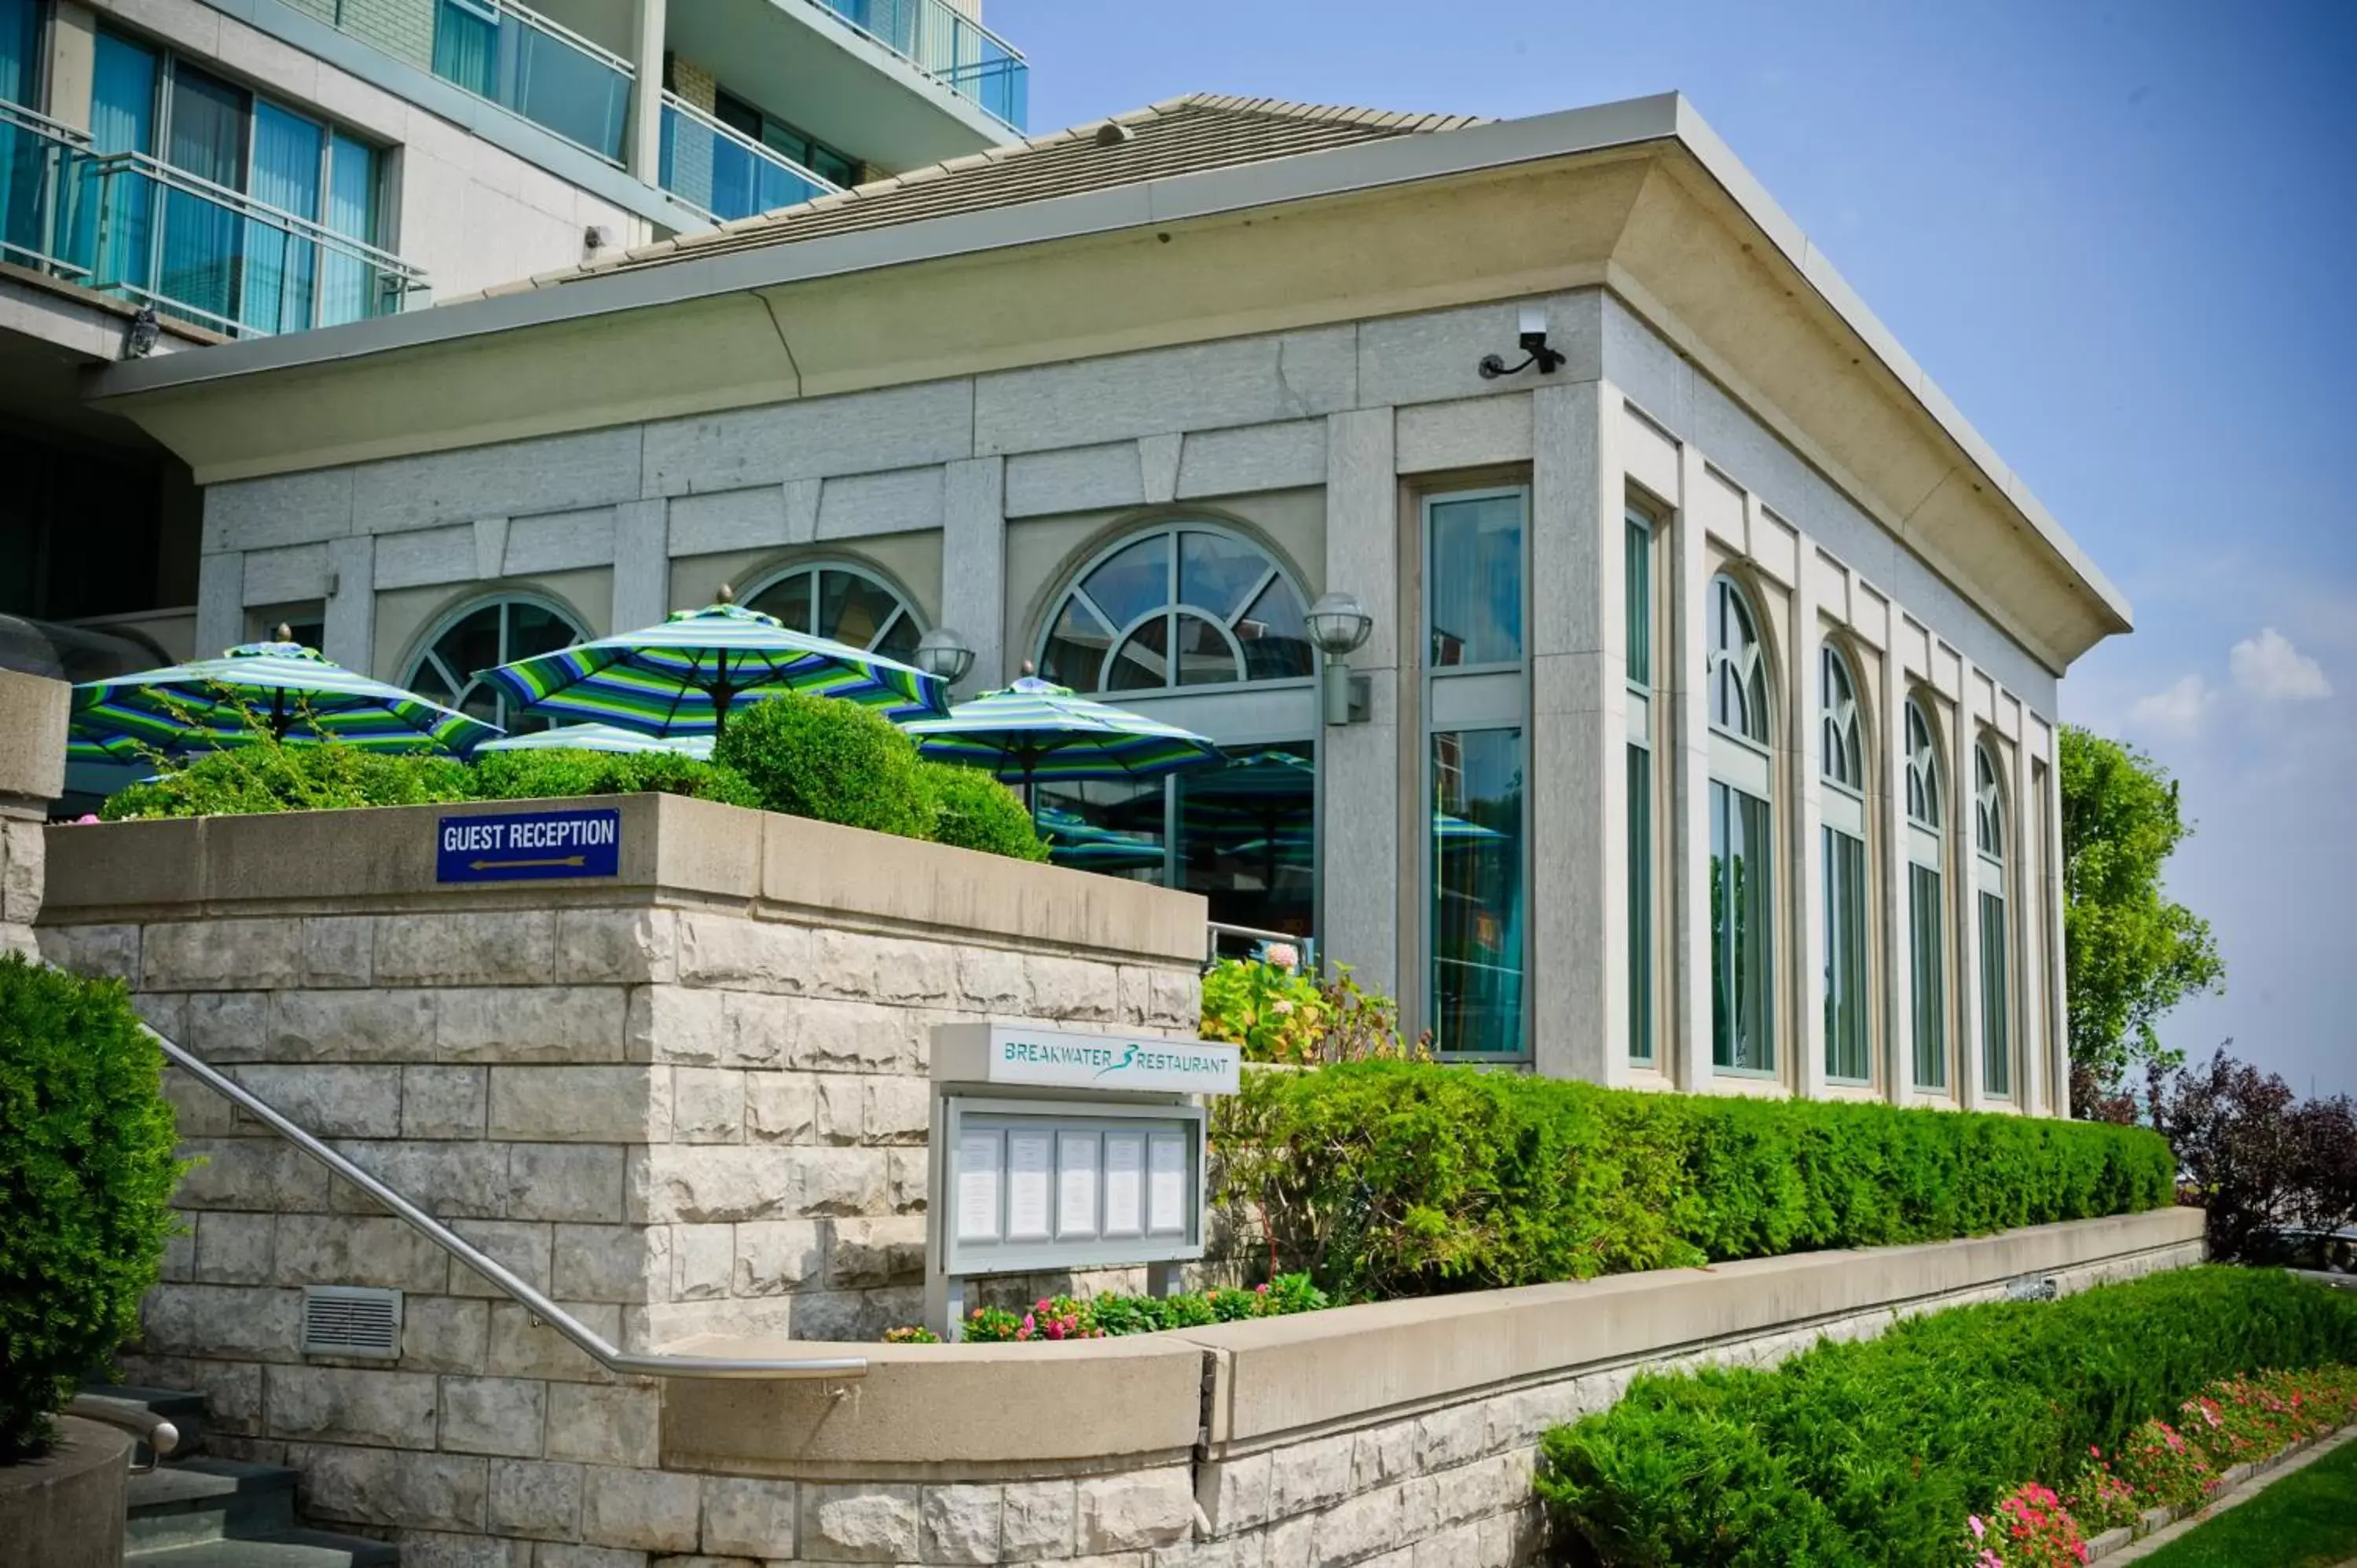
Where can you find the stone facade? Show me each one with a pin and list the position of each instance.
(32, 771)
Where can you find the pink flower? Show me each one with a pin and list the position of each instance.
(1979, 1530)
(85, 817)
(1282, 955)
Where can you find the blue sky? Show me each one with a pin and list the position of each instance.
(2119, 236)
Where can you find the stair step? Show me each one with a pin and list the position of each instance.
(182, 1408)
(281, 1548)
(204, 1500)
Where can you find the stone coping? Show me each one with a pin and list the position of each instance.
(1239, 1387)
(33, 720)
(675, 850)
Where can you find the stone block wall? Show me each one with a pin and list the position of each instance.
(675, 1122)
(32, 773)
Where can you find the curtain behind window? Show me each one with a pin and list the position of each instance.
(24, 157)
(122, 120)
(349, 287)
(202, 259)
(281, 267)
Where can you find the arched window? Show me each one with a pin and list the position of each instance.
(1187, 603)
(843, 603)
(1742, 839)
(1926, 866)
(1996, 992)
(1842, 811)
(482, 635)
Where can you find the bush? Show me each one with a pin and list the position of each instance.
(540, 775)
(828, 759)
(306, 776)
(973, 810)
(1277, 1014)
(86, 1178)
(1875, 1452)
(1108, 1316)
(1396, 1178)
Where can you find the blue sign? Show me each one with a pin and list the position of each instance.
(521, 846)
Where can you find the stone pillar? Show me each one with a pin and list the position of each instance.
(1807, 901)
(1578, 795)
(350, 637)
(1684, 748)
(974, 566)
(32, 774)
(641, 563)
(221, 602)
(1964, 795)
(1361, 764)
(642, 140)
(1889, 762)
(73, 61)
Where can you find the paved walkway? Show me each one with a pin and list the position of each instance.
(2240, 1494)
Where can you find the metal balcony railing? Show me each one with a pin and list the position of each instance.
(125, 224)
(722, 172)
(966, 56)
(505, 54)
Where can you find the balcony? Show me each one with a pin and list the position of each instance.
(518, 60)
(960, 53)
(723, 174)
(127, 225)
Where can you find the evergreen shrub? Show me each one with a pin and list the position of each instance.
(973, 810)
(1872, 1452)
(828, 759)
(1387, 1178)
(306, 776)
(86, 1177)
(551, 775)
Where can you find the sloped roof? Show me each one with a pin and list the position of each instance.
(1180, 135)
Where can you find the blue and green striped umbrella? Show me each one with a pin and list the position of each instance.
(1036, 731)
(679, 678)
(283, 688)
(600, 738)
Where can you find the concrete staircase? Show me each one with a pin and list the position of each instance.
(195, 1511)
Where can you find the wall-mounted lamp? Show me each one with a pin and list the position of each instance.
(1337, 625)
(1535, 349)
(943, 652)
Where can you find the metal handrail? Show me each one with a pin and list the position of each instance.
(554, 28)
(674, 103)
(1214, 930)
(310, 231)
(34, 120)
(586, 1339)
(160, 1435)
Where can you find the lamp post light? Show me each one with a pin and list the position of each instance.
(1337, 625)
(943, 652)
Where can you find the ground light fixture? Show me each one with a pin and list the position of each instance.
(943, 652)
(1337, 625)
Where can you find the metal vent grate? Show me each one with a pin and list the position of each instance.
(351, 1320)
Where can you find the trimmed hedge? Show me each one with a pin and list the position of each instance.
(274, 776)
(829, 759)
(973, 810)
(1874, 1452)
(1389, 1178)
(546, 774)
(86, 1178)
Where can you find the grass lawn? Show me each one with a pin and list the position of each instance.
(2305, 1521)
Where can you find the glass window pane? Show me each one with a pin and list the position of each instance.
(899, 639)
(1637, 585)
(1641, 904)
(1143, 662)
(1742, 931)
(123, 97)
(1075, 653)
(1929, 972)
(789, 600)
(1475, 867)
(20, 44)
(1216, 571)
(535, 629)
(853, 608)
(1112, 826)
(1475, 594)
(1132, 581)
(1246, 834)
(1204, 656)
(1996, 1058)
(1275, 635)
(1846, 1014)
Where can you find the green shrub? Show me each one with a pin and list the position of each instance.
(1279, 1014)
(973, 810)
(543, 775)
(1873, 1453)
(1397, 1178)
(303, 776)
(1109, 1316)
(829, 759)
(86, 1177)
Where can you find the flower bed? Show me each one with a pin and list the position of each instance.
(1883, 1451)
(1112, 1314)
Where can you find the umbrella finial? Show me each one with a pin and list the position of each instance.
(726, 595)
(284, 633)
(1029, 667)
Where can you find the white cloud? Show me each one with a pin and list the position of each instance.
(2176, 710)
(2269, 667)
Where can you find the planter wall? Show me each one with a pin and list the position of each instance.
(65, 1508)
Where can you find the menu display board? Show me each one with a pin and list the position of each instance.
(1045, 1185)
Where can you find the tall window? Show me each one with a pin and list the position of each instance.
(759, 126)
(1191, 605)
(1842, 774)
(1926, 944)
(1997, 992)
(1742, 839)
(844, 604)
(1637, 586)
(1475, 762)
(480, 637)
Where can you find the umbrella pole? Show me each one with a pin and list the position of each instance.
(278, 713)
(721, 692)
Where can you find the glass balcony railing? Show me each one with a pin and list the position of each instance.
(725, 174)
(124, 224)
(966, 56)
(503, 53)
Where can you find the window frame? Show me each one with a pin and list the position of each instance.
(450, 619)
(851, 564)
(1742, 765)
(1924, 774)
(1172, 527)
(1992, 899)
(1641, 590)
(1843, 814)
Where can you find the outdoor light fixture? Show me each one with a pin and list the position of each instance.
(943, 652)
(1337, 625)
(1535, 349)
